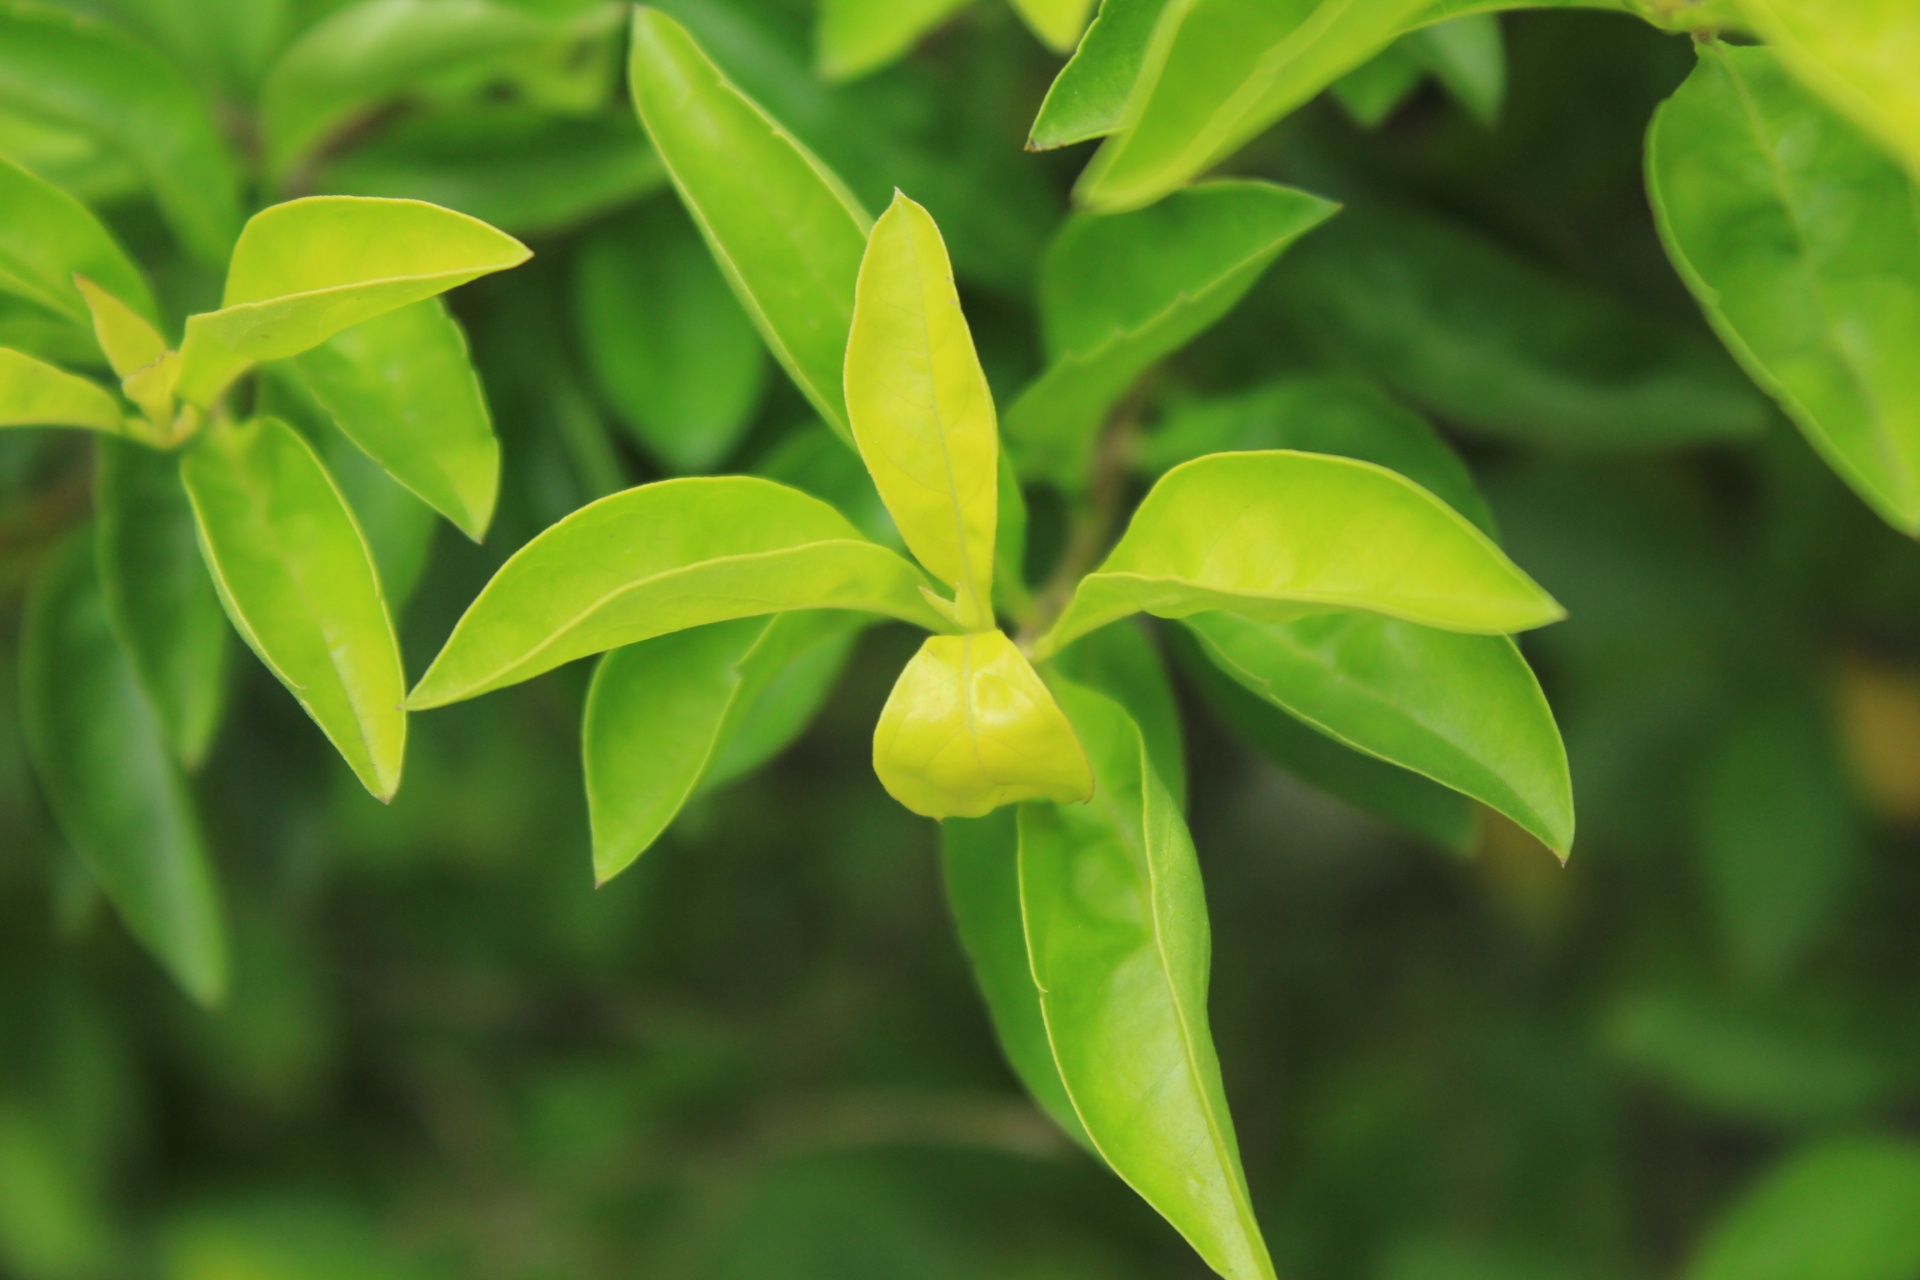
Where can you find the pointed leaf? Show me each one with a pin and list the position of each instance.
(403, 388)
(1088, 99)
(118, 794)
(666, 339)
(1802, 242)
(1465, 711)
(1275, 536)
(980, 863)
(1117, 935)
(1058, 23)
(92, 78)
(305, 270)
(47, 237)
(1377, 88)
(158, 594)
(1120, 292)
(920, 408)
(854, 37)
(662, 558)
(298, 583)
(1469, 56)
(786, 232)
(128, 339)
(35, 394)
(1839, 1210)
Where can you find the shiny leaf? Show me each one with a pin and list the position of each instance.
(854, 37)
(299, 584)
(970, 727)
(920, 409)
(1122, 663)
(1802, 242)
(35, 394)
(114, 787)
(1089, 96)
(662, 558)
(47, 237)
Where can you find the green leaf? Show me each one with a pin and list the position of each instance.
(1463, 710)
(1089, 96)
(662, 715)
(786, 232)
(1802, 242)
(113, 785)
(35, 394)
(299, 584)
(86, 76)
(1010, 594)
(920, 409)
(1216, 73)
(1117, 936)
(1122, 663)
(814, 460)
(47, 237)
(305, 270)
(1120, 292)
(667, 341)
(158, 595)
(980, 863)
(795, 670)
(1498, 345)
(1318, 414)
(402, 387)
(1469, 56)
(662, 558)
(855, 37)
(969, 727)
(1376, 88)
(1058, 23)
(1278, 535)
(126, 338)
(1366, 782)
(1839, 1210)
(1858, 55)
(357, 58)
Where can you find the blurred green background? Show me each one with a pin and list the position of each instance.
(759, 1053)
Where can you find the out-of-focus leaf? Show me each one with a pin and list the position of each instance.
(402, 387)
(1469, 56)
(54, 1221)
(35, 394)
(1010, 594)
(1842, 1209)
(1121, 663)
(854, 37)
(667, 341)
(47, 237)
(1118, 938)
(1120, 292)
(299, 584)
(85, 75)
(1801, 241)
(1319, 414)
(1218, 72)
(1496, 344)
(228, 41)
(77, 162)
(980, 862)
(521, 170)
(969, 727)
(1858, 55)
(662, 558)
(1780, 845)
(370, 52)
(103, 761)
(46, 335)
(920, 409)
(1089, 96)
(307, 269)
(1375, 89)
(158, 595)
(1058, 23)
(814, 460)
(1277, 535)
(1465, 711)
(1366, 782)
(278, 1239)
(786, 232)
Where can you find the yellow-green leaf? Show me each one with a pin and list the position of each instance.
(853, 37)
(1862, 56)
(921, 411)
(47, 237)
(130, 341)
(35, 394)
(970, 727)
(1058, 23)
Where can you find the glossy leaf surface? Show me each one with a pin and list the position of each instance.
(1463, 710)
(980, 864)
(1801, 240)
(47, 237)
(1058, 23)
(299, 584)
(1276, 535)
(1118, 938)
(1838, 1210)
(103, 760)
(969, 727)
(403, 388)
(1089, 96)
(1121, 663)
(158, 594)
(35, 394)
(1119, 292)
(667, 341)
(786, 232)
(661, 558)
(87, 76)
(853, 37)
(920, 409)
